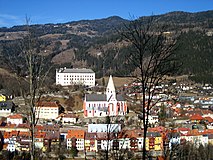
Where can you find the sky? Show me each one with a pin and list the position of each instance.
(14, 12)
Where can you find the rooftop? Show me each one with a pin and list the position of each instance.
(74, 70)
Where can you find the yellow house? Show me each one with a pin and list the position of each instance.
(154, 142)
(147, 144)
(90, 142)
(158, 143)
(2, 98)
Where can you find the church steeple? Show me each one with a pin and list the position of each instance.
(110, 90)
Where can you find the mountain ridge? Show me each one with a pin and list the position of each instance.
(96, 44)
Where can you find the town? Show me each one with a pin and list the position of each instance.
(109, 122)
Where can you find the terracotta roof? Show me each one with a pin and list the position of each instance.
(77, 133)
(15, 116)
(157, 129)
(47, 104)
(207, 112)
(183, 129)
(40, 135)
(196, 117)
(209, 119)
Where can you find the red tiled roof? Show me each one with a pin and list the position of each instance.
(183, 129)
(15, 116)
(209, 119)
(196, 117)
(47, 104)
(76, 133)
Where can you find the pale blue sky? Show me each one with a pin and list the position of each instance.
(13, 12)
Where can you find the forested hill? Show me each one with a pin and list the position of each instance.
(96, 44)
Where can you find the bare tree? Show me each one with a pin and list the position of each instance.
(31, 51)
(151, 51)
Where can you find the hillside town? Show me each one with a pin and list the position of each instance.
(109, 121)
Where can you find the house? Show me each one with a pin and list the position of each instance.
(11, 144)
(124, 139)
(23, 141)
(6, 108)
(75, 138)
(173, 138)
(74, 76)
(13, 127)
(15, 119)
(46, 110)
(91, 142)
(39, 139)
(196, 118)
(154, 141)
(210, 139)
(105, 141)
(196, 137)
(2, 98)
(108, 104)
(68, 118)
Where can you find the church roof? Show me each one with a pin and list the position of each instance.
(110, 84)
(101, 97)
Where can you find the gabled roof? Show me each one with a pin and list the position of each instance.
(196, 117)
(209, 119)
(15, 116)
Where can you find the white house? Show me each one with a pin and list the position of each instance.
(47, 110)
(11, 144)
(6, 108)
(67, 118)
(76, 138)
(108, 104)
(70, 76)
(15, 119)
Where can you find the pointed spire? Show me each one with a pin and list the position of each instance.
(110, 90)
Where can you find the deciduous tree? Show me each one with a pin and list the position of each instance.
(151, 51)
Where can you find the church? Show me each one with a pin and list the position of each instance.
(102, 105)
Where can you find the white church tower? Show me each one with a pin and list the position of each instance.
(110, 90)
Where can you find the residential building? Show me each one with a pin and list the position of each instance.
(11, 144)
(105, 140)
(75, 138)
(15, 119)
(6, 108)
(108, 104)
(47, 110)
(75, 76)
(91, 143)
(14, 127)
(196, 137)
(196, 118)
(68, 118)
